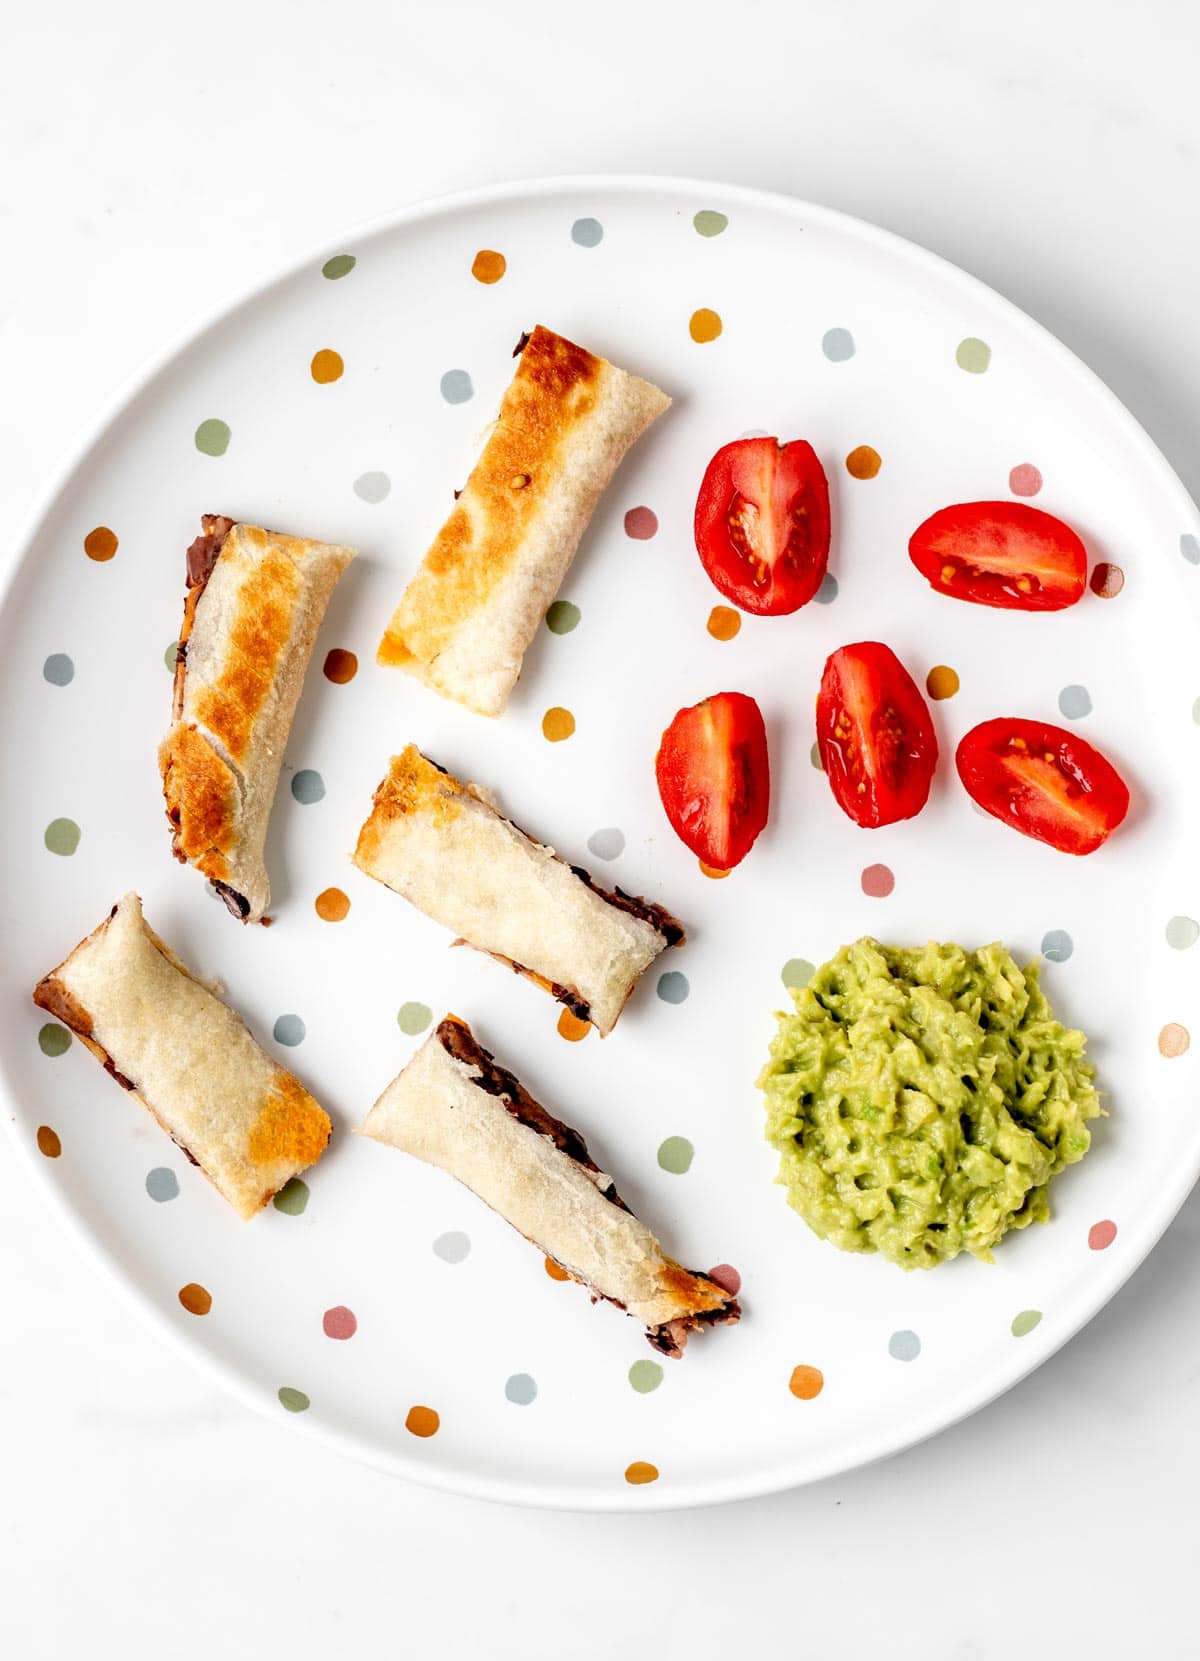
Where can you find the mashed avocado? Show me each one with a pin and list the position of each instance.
(922, 1099)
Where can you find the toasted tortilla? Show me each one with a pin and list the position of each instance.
(453, 1107)
(474, 605)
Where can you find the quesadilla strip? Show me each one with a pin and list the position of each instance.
(453, 1107)
(473, 607)
(255, 600)
(187, 1057)
(447, 850)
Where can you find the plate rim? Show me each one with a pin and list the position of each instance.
(582, 1497)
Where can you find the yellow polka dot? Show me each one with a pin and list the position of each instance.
(1173, 1040)
(331, 905)
(327, 366)
(489, 266)
(48, 1142)
(557, 724)
(712, 871)
(571, 1027)
(641, 1471)
(556, 1270)
(724, 622)
(704, 325)
(863, 463)
(197, 1300)
(100, 544)
(422, 1421)
(806, 1382)
(941, 681)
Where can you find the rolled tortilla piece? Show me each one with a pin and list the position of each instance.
(255, 600)
(453, 1107)
(187, 1057)
(445, 847)
(468, 615)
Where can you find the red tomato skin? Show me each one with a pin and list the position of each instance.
(790, 580)
(869, 676)
(1052, 577)
(1097, 796)
(714, 777)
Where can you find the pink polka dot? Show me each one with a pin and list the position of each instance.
(339, 1322)
(878, 881)
(1025, 480)
(727, 1278)
(641, 524)
(1101, 1235)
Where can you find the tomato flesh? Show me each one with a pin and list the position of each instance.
(875, 735)
(762, 524)
(1043, 781)
(714, 777)
(1001, 554)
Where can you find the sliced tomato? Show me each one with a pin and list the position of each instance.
(714, 777)
(876, 738)
(1001, 554)
(762, 524)
(1044, 781)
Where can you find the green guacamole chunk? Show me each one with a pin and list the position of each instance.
(921, 1099)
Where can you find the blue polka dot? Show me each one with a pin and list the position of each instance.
(828, 591)
(289, 1030)
(307, 786)
(904, 1346)
(673, 987)
(520, 1389)
(837, 345)
(1189, 547)
(457, 387)
(162, 1183)
(1075, 702)
(58, 669)
(1057, 945)
(587, 232)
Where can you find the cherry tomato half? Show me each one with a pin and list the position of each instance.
(762, 524)
(714, 777)
(876, 738)
(1001, 554)
(1044, 781)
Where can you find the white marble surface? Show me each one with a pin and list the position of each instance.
(155, 160)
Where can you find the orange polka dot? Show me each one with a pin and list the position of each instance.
(422, 1421)
(340, 666)
(331, 905)
(806, 1382)
(641, 1471)
(1173, 1040)
(941, 681)
(863, 463)
(327, 366)
(488, 266)
(571, 1027)
(48, 1142)
(557, 724)
(556, 1270)
(1107, 580)
(100, 544)
(704, 325)
(712, 871)
(195, 1299)
(724, 622)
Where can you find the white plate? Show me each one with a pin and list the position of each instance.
(833, 331)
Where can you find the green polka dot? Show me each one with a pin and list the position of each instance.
(1025, 1322)
(414, 1018)
(562, 617)
(1182, 932)
(814, 755)
(53, 1039)
(645, 1376)
(171, 656)
(973, 355)
(676, 1155)
(212, 437)
(341, 265)
(796, 972)
(709, 222)
(62, 836)
(294, 1400)
(292, 1197)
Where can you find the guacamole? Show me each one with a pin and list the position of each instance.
(921, 1099)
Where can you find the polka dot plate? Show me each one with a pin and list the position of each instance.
(376, 1303)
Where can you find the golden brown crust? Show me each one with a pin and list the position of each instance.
(553, 389)
(202, 555)
(290, 1126)
(201, 794)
